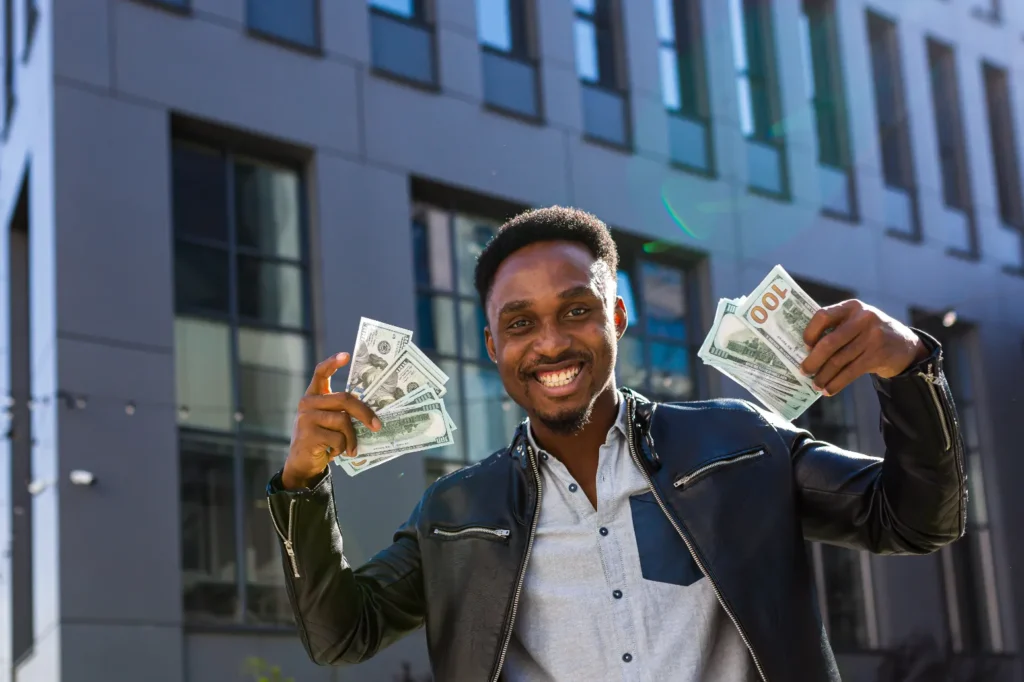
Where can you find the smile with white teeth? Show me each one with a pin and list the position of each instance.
(560, 377)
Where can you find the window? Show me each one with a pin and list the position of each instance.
(901, 211)
(601, 72)
(9, 98)
(684, 82)
(450, 329)
(1003, 139)
(293, 21)
(988, 10)
(958, 219)
(242, 357)
(658, 353)
(972, 599)
(758, 90)
(843, 577)
(510, 72)
(31, 20)
(402, 41)
(824, 79)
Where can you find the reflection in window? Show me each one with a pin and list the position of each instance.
(449, 328)
(509, 69)
(294, 21)
(605, 115)
(242, 360)
(656, 354)
(402, 40)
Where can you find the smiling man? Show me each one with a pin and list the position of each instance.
(615, 538)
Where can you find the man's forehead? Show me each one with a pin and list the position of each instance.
(545, 270)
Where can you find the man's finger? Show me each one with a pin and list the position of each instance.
(847, 376)
(327, 438)
(825, 319)
(346, 402)
(321, 382)
(839, 361)
(337, 421)
(824, 349)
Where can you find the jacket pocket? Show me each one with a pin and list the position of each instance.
(472, 531)
(746, 455)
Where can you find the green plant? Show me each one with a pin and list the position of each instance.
(259, 670)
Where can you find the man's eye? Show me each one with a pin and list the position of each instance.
(518, 324)
(576, 312)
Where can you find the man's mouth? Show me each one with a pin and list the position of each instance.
(557, 378)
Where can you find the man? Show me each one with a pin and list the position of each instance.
(615, 538)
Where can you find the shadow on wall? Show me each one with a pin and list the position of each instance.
(921, 659)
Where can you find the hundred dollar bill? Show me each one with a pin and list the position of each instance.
(788, 406)
(416, 427)
(731, 342)
(378, 345)
(428, 364)
(778, 311)
(403, 377)
(423, 394)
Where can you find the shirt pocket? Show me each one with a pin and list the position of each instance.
(664, 557)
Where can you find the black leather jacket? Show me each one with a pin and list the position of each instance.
(742, 488)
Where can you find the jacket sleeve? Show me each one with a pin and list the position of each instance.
(344, 615)
(911, 501)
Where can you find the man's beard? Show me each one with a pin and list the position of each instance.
(568, 423)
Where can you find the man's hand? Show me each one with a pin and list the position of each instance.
(863, 340)
(323, 427)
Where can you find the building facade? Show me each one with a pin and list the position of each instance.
(202, 197)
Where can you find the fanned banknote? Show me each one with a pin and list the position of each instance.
(757, 341)
(404, 388)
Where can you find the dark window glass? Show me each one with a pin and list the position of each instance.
(1003, 138)
(402, 40)
(294, 21)
(946, 104)
(242, 361)
(889, 105)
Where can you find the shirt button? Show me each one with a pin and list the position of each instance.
(573, 487)
(617, 594)
(627, 657)
(603, 531)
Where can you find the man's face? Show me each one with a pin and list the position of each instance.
(553, 326)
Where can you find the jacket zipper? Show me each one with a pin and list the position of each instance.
(286, 539)
(499, 532)
(690, 477)
(522, 569)
(686, 540)
(932, 381)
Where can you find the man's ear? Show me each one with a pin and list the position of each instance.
(489, 342)
(621, 317)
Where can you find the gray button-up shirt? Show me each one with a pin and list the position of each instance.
(613, 593)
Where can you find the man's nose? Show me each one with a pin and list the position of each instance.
(552, 341)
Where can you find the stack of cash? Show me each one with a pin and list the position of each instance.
(404, 387)
(758, 342)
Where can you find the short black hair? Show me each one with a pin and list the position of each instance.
(554, 223)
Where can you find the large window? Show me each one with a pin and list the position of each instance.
(601, 71)
(1003, 140)
(510, 70)
(824, 79)
(402, 40)
(684, 82)
(843, 576)
(292, 21)
(958, 220)
(242, 357)
(757, 87)
(901, 211)
(450, 329)
(657, 355)
(972, 599)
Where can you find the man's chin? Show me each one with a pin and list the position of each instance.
(566, 423)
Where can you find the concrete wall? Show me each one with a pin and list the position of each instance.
(97, 132)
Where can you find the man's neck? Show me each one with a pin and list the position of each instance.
(585, 444)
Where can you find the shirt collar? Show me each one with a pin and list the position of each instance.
(620, 425)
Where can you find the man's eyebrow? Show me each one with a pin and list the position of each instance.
(575, 292)
(514, 307)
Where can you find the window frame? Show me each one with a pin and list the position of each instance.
(1003, 144)
(10, 97)
(228, 154)
(423, 19)
(619, 87)
(525, 54)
